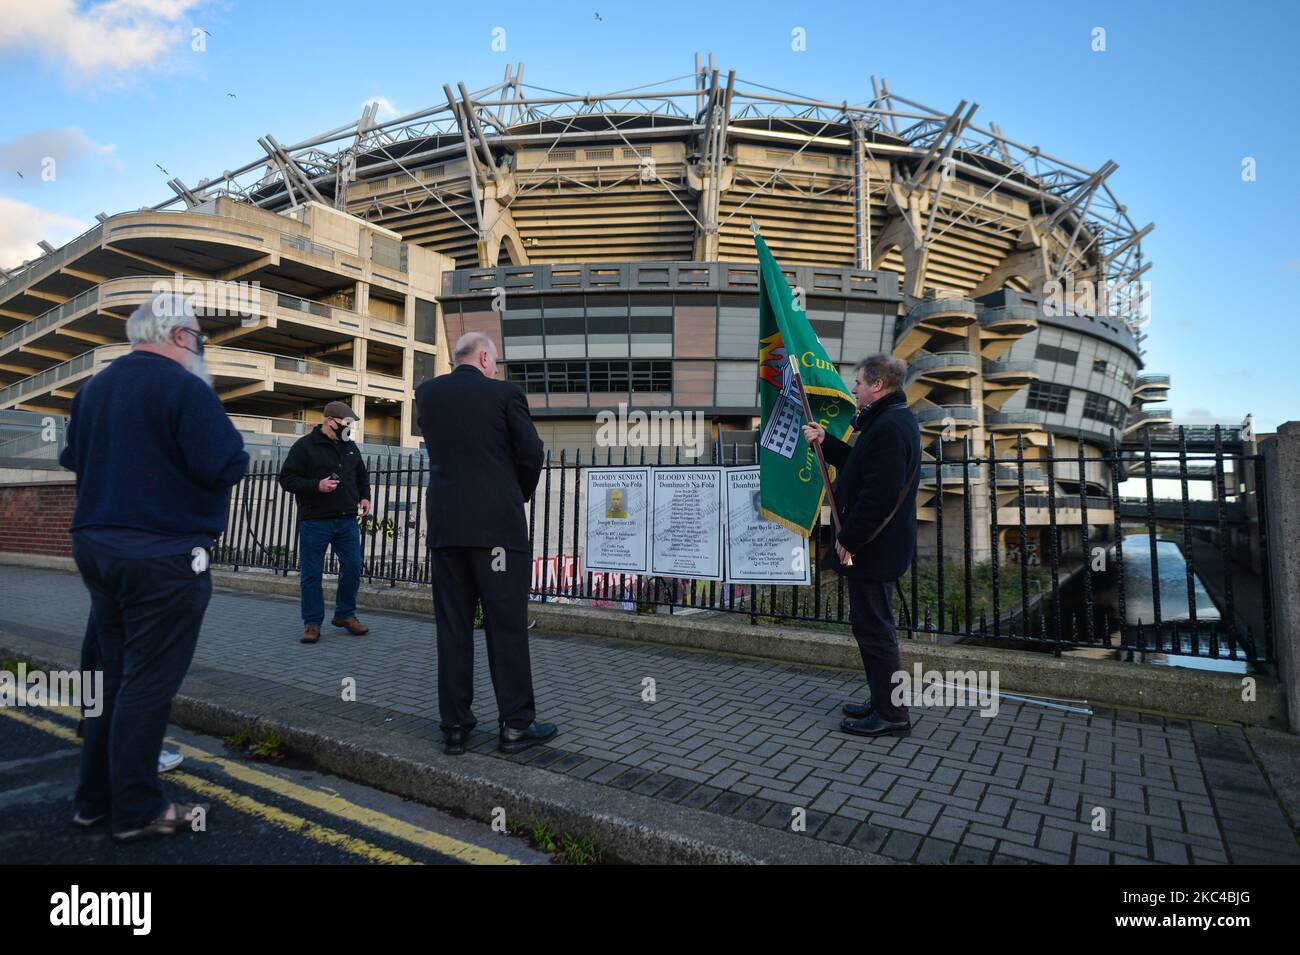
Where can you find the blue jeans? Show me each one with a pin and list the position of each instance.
(342, 534)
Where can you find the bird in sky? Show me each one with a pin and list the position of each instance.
(165, 172)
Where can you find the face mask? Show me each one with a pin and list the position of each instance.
(196, 338)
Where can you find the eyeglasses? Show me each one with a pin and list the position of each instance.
(199, 337)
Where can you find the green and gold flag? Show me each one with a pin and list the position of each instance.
(791, 485)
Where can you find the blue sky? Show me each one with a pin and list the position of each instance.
(1182, 94)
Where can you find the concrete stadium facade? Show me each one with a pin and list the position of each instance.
(605, 242)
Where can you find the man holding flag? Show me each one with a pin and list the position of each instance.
(873, 503)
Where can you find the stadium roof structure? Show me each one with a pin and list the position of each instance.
(491, 175)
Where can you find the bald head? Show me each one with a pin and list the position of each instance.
(469, 345)
(477, 349)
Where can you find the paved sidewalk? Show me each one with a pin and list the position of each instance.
(754, 739)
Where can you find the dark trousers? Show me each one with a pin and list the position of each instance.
(147, 614)
(872, 620)
(342, 534)
(463, 576)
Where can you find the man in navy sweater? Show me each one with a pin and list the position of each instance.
(155, 457)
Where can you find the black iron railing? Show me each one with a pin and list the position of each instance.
(1110, 556)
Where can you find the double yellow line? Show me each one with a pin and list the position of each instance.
(332, 804)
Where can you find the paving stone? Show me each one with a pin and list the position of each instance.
(837, 829)
(1056, 840)
(778, 816)
(700, 797)
(676, 790)
(1033, 854)
(936, 851)
(997, 806)
(1087, 855)
(754, 809)
(868, 838)
(652, 784)
(726, 804)
(901, 846)
(729, 732)
(969, 855)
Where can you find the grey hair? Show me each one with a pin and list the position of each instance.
(469, 345)
(884, 367)
(155, 320)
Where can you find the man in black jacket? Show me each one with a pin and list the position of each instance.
(324, 470)
(484, 461)
(876, 494)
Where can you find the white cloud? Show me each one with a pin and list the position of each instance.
(60, 151)
(113, 37)
(23, 225)
(1204, 416)
(387, 110)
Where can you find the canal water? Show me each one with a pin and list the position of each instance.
(1112, 632)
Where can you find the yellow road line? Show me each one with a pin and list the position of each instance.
(48, 726)
(244, 804)
(335, 805)
(338, 806)
(286, 820)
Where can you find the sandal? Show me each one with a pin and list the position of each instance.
(176, 818)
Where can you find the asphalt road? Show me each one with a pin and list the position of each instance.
(259, 813)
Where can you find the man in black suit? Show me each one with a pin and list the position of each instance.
(484, 461)
(876, 494)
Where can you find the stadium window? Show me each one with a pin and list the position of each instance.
(566, 376)
(1101, 408)
(426, 322)
(528, 375)
(1045, 396)
(421, 366)
(1064, 356)
(652, 376)
(609, 376)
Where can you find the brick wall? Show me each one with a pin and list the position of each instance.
(34, 518)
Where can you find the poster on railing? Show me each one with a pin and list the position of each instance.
(687, 528)
(760, 551)
(618, 520)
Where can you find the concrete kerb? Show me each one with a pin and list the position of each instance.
(627, 827)
(1196, 694)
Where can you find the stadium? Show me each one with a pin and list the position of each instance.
(605, 242)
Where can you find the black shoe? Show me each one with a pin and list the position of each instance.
(516, 741)
(453, 740)
(857, 711)
(873, 725)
